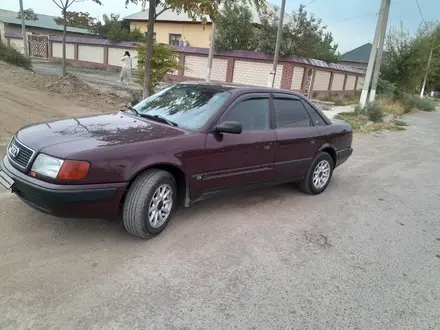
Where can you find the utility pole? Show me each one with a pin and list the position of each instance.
(273, 73)
(211, 54)
(23, 29)
(422, 92)
(371, 60)
(379, 54)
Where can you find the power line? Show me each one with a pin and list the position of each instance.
(420, 10)
(310, 3)
(352, 18)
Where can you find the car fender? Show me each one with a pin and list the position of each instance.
(152, 161)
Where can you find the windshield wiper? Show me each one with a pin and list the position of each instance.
(129, 107)
(158, 118)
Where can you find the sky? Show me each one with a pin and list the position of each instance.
(352, 22)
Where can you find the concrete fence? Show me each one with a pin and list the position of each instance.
(309, 76)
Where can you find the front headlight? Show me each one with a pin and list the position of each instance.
(59, 169)
(47, 166)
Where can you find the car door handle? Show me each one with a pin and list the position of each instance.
(267, 146)
(312, 141)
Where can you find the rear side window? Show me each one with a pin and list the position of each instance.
(291, 113)
(252, 114)
(316, 117)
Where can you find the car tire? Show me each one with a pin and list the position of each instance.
(150, 203)
(319, 175)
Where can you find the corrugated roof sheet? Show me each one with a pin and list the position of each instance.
(44, 22)
(170, 15)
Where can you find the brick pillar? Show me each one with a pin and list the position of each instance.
(105, 55)
(75, 52)
(49, 49)
(312, 83)
(356, 83)
(331, 81)
(286, 77)
(230, 70)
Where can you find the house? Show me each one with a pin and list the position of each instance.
(173, 28)
(45, 25)
(357, 57)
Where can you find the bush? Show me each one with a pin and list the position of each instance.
(373, 110)
(11, 55)
(386, 88)
(416, 102)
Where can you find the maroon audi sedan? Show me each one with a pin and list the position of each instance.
(189, 142)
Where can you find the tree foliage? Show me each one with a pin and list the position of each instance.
(202, 9)
(114, 29)
(165, 60)
(303, 34)
(29, 15)
(407, 55)
(235, 29)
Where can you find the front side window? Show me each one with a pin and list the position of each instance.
(252, 114)
(291, 113)
(189, 106)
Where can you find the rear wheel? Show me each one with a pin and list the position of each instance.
(149, 203)
(319, 175)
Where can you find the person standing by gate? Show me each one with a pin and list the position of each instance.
(126, 68)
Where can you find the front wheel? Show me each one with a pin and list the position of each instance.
(150, 203)
(319, 175)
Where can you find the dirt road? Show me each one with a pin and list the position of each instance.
(26, 97)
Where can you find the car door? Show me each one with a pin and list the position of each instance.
(296, 137)
(238, 160)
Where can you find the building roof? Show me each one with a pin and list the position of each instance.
(169, 15)
(44, 22)
(358, 55)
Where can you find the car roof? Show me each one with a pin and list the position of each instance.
(239, 87)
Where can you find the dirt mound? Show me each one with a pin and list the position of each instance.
(69, 87)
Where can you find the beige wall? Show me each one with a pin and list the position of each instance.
(196, 66)
(360, 83)
(94, 54)
(196, 34)
(57, 50)
(351, 80)
(338, 82)
(2, 32)
(255, 73)
(322, 80)
(297, 77)
(115, 55)
(18, 44)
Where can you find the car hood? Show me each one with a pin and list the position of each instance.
(85, 133)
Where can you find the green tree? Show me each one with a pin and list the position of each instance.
(303, 35)
(235, 29)
(29, 15)
(71, 18)
(407, 56)
(114, 29)
(194, 8)
(164, 60)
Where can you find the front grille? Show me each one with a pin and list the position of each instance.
(24, 153)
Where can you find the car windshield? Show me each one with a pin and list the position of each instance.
(188, 106)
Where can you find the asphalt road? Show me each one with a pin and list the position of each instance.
(363, 255)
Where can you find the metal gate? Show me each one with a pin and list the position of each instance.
(38, 46)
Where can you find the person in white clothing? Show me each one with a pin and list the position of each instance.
(126, 68)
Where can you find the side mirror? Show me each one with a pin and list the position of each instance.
(231, 127)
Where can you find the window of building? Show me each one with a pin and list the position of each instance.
(174, 39)
(252, 114)
(291, 113)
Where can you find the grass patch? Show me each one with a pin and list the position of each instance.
(416, 102)
(12, 56)
(339, 99)
(390, 106)
(363, 124)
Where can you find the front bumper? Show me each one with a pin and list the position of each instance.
(97, 200)
(343, 155)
